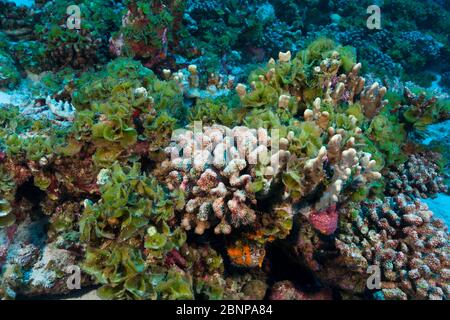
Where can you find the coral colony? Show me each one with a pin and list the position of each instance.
(256, 149)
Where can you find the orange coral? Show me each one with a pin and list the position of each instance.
(248, 256)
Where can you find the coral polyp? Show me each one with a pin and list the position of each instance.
(210, 150)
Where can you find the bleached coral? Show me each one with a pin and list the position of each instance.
(61, 109)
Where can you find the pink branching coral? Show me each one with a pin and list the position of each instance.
(402, 238)
(419, 177)
(216, 168)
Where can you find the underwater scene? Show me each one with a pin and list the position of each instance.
(224, 149)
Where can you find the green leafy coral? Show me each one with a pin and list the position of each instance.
(122, 105)
(66, 46)
(389, 136)
(132, 214)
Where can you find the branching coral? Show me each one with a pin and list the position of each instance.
(221, 177)
(346, 164)
(217, 85)
(401, 237)
(135, 211)
(419, 177)
(336, 167)
(421, 111)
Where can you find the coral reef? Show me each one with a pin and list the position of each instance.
(285, 290)
(422, 111)
(67, 45)
(169, 150)
(9, 75)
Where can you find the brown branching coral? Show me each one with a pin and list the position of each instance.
(421, 103)
(420, 110)
(350, 88)
(372, 100)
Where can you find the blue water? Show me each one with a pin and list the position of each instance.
(440, 207)
(27, 3)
